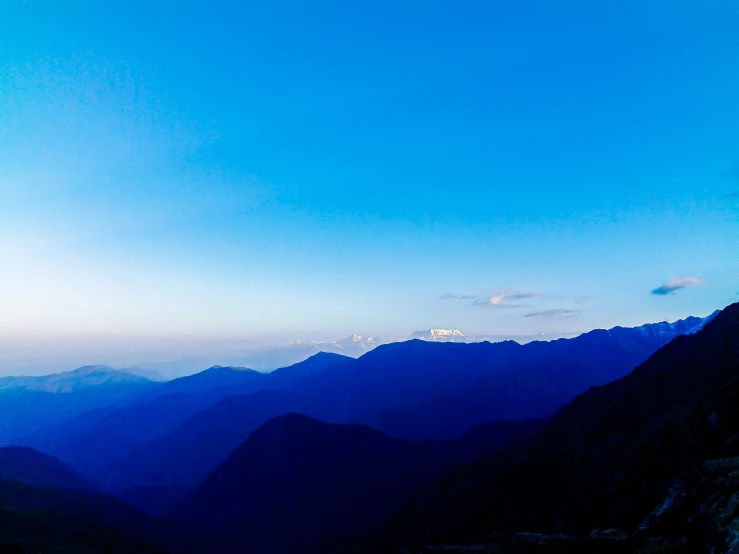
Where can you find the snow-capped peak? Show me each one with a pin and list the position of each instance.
(687, 326)
(438, 334)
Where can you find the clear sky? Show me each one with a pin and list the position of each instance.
(313, 169)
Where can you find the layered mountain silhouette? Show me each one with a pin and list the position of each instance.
(94, 514)
(47, 507)
(464, 440)
(88, 440)
(454, 386)
(95, 441)
(29, 404)
(25, 411)
(532, 380)
(474, 444)
(604, 461)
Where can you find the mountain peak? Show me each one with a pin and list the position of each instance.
(87, 369)
(227, 368)
(687, 326)
(69, 381)
(437, 334)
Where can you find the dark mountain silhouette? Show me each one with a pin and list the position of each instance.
(184, 457)
(315, 365)
(700, 509)
(483, 439)
(211, 378)
(45, 519)
(463, 385)
(508, 381)
(238, 416)
(155, 501)
(58, 533)
(605, 460)
(31, 467)
(298, 480)
(415, 372)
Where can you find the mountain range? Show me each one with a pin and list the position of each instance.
(620, 440)
(605, 460)
(173, 436)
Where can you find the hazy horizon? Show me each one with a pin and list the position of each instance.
(175, 357)
(178, 176)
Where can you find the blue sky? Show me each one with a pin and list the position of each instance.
(313, 169)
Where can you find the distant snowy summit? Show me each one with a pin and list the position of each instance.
(438, 334)
(362, 342)
(268, 357)
(352, 343)
(688, 326)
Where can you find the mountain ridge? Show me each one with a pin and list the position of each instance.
(297, 480)
(69, 381)
(456, 386)
(605, 460)
(34, 468)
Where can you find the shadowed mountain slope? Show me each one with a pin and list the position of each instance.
(297, 480)
(95, 522)
(23, 532)
(24, 411)
(31, 467)
(91, 442)
(606, 460)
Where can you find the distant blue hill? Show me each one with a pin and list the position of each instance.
(25, 411)
(83, 377)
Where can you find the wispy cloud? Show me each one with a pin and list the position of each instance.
(451, 295)
(507, 298)
(499, 299)
(676, 284)
(732, 195)
(556, 312)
